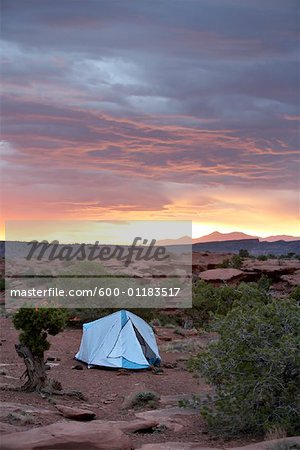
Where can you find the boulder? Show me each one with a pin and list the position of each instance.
(75, 413)
(69, 435)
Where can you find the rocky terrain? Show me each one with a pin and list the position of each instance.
(284, 274)
(106, 418)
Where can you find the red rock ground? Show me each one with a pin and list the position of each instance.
(104, 389)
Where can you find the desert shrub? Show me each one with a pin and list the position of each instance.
(224, 264)
(243, 253)
(295, 294)
(36, 324)
(210, 301)
(234, 262)
(275, 432)
(143, 399)
(264, 282)
(255, 369)
(291, 255)
(262, 257)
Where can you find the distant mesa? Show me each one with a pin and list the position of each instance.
(184, 240)
(215, 242)
(216, 236)
(282, 237)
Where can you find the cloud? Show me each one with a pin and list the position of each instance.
(106, 106)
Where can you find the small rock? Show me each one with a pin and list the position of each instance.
(58, 359)
(2, 372)
(160, 428)
(50, 358)
(77, 367)
(123, 372)
(75, 413)
(47, 367)
(21, 418)
(170, 365)
(3, 340)
(158, 370)
(182, 359)
(188, 332)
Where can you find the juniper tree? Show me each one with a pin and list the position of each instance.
(254, 367)
(36, 325)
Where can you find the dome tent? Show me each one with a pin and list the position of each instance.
(120, 340)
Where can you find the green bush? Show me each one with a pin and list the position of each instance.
(262, 257)
(295, 294)
(225, 264)
(143, 399)
(36, 324)
(210, 301)
(264, 282)
(254, 368)
(235, 262)
(243, 253)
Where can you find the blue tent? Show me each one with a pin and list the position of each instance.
(120, 340)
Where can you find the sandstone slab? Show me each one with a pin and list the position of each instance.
(221, 274)
(172, 418)
(69, 435)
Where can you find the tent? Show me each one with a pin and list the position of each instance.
(121, 340)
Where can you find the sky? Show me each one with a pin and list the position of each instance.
(152, 110)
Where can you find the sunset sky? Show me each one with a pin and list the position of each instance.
(152, 109)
